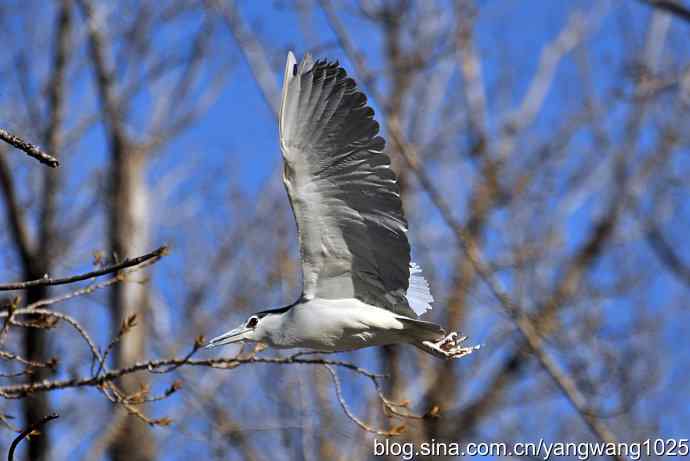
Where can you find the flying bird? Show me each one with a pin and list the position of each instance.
(360, 288)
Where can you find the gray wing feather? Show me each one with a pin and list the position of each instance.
(345, 197)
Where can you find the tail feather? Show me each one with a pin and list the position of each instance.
(418, 293)
(422, 330)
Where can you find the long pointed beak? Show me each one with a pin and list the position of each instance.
(232, 336)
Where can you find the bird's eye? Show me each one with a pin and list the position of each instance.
(252, 322)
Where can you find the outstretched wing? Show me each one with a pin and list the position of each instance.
(345, 197)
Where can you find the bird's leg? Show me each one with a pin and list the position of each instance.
(449, 347)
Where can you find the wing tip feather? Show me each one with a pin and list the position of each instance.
(291, 64)
(418, 294)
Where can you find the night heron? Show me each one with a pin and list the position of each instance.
(359, 287)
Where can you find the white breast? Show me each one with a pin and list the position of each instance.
(335, 325)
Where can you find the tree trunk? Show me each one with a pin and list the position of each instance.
(129, 237)
(38, 259)
(36, 406)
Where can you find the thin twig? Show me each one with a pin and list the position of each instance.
(339, 394)
(66, 318)
(5, 355)
(6, 323)
(197, 345)
(31, 149)
(73, 294)
(46, 281)
(126, 326)
(28, 431)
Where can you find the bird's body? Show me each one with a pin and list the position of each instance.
(360, 288)
(341, 324)
(333, 325)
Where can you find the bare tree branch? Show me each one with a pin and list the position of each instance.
(20, 390)
(129, 262)
(569, 37)
(30, 149)
(15, 214)
(471, 68)
(252, 51)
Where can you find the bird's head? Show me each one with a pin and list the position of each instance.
(249, 330)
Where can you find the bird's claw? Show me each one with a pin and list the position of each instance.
(449, 347)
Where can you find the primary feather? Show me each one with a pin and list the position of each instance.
(345, 197)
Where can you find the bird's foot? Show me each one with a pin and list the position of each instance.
(449, 347)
